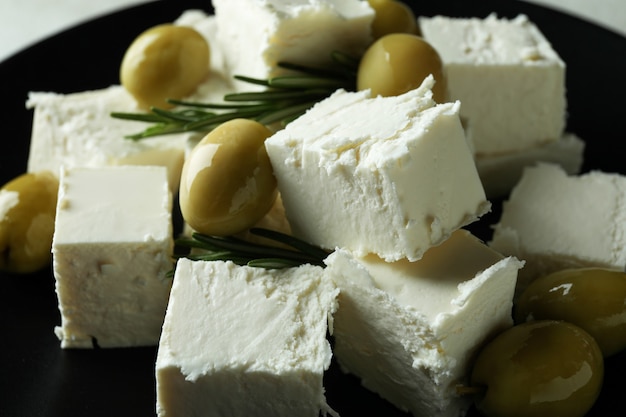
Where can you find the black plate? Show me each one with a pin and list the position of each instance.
(37, 378)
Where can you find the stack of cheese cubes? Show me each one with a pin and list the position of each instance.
(388, 192)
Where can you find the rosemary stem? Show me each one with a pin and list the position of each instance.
(248, 248)
(284, 98)
(242, 252)
(291, 241)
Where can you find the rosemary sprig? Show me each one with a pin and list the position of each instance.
(241, 252)
(286, 98)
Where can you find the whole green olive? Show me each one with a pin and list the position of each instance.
(399, 62)
(392, 17)
(540, 368)
(166, 61)
(227, 183)
(591, 298)
(27, 212)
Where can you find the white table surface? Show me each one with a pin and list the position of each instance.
(24, 22)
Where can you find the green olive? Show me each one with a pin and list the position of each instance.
(591, 298)
(166, 61)
(399, 62)
(227, 183)
(27, 212)
(392, 17)
(540, 368)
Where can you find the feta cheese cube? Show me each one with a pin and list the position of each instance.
(260, 33)
(392, 176)
(76, 130)
(112, 251)
(509, 79)
(555, 221)
(242, 341)
(409, 330)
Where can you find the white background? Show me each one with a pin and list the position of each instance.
(24, 22)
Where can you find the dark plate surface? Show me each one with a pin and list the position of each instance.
(37, 378)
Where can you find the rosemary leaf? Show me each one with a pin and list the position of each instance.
(344, 66)
(184, 117)
(273, 263)
(222, 106)
(278, 95)
(347, 62)
(287, 113)
(251, 80)
(207, 122)
(140, 117)
(239, 260)
(191, 243)
(290, 241)
(158, 130)
(210, 256)
(302, 82)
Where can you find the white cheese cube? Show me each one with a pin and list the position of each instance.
(500, 173)
(77, 129)
(410, 330)
(112, 251)
(556, 221)
(392, 176)
(242, 341)
(258, 34)
(510, 81)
